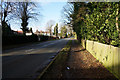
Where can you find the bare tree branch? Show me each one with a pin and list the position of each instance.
(49, 25)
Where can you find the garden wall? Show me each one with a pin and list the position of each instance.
(108, 55)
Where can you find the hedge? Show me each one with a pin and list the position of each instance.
(19, 39)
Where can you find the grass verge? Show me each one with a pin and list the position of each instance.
(54, 69)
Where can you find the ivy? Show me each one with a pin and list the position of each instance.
(97, 21)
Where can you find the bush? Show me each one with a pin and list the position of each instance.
(18, 39)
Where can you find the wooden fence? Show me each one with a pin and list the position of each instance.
(107, 54)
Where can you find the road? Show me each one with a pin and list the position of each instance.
(29, 61)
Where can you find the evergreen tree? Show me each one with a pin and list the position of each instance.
(56, 30)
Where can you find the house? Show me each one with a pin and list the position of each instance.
(28, 34)
(37, 32)
(21, 33)
(47, 33)
(42, 33)
(17, 32)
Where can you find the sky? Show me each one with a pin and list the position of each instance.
(48, 11)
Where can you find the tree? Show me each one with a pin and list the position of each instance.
(67, 12)
(7, 8)
(31, 30)
(96, 21)
(24, 12)
(63, 31)
(69, 31)
(56, 30)
(49, 25)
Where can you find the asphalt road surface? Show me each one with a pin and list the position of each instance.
(29, 61)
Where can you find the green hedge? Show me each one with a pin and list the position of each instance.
(19, 39)
(96, 21)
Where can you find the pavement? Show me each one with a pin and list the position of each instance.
(79, 64)
(27, 62)
(83, 66)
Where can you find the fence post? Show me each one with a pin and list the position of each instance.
(119, 62)
(115, 60)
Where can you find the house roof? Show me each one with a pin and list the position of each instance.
(20, 31)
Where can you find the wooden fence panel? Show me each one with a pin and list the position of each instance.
(119, 62)
(107, 54)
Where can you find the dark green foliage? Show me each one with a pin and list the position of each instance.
(63, 31)
(56, 30)
(9, 40)
(97, 21)
(44, 38)
(20, 39)
(31, 30)
(69, 35)
(6, 30)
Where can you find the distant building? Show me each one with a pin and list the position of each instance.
(21, 33)
(42, 33)
(47, 33)
(37, 32)
(17, 32)
(28, 34)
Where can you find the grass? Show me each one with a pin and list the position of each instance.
(56, 68)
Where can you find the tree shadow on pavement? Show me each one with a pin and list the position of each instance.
(79, 50)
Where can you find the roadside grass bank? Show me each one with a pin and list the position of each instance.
(55, 69)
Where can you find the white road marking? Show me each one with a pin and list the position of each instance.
(30, 51)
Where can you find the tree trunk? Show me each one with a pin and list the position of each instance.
(117, 27)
